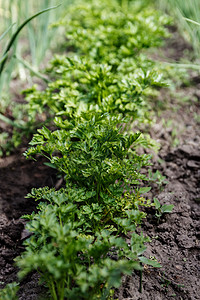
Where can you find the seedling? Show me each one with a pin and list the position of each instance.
(162, 209)
(157, 177)
(9, 292)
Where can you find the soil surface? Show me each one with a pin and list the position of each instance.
(174, 238)
(18, 176)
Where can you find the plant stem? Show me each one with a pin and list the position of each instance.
(53, 291)
(28, 66)
(61, 290)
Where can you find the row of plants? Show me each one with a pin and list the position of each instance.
(84, 235)
(132, 40)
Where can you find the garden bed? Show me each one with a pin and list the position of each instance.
(174, 238)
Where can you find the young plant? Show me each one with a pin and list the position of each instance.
(82, 85)
(108, 71)
(9, 292)
(74, 257)
(79, 243)
(157, 177)
(91, 150)
(91, 29)
(162, 209)
(68, 254)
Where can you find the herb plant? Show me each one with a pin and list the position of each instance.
(83, 85)
(10, 291)
(104, 66)
(73, 257)
(91, 29)
(80, 236)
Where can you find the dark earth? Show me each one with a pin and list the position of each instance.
(174, 238)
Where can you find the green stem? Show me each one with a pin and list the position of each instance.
(2, 36)
(187, 66)
(63, 290)
(60, 220)
(68, 282)
(53, 290)
(99, 99)
(28, 66)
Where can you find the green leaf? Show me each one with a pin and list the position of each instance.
(144, 190)
(45, 132)
(167, 208)
(157, 203)
(192, 21)
(48, 164)
(149, 262)
(8, 29)
(14, 36)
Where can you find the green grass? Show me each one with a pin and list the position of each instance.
(35, 43)
(183, 10)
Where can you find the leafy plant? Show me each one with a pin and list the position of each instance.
(108, 41)
(90, 147)
(115, 79)
(79, 244)
(83, 85)
(107, 71)
(161, 209)
(9, 292)
(72, 258)
(157, 177)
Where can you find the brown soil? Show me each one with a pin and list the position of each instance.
(174, 238)
(17, 179)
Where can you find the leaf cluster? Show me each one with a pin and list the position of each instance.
(107, 31)
(80, 233)
(91, 150)
(105, 68)
(9, 292)
(161, 209)
(75, 257)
